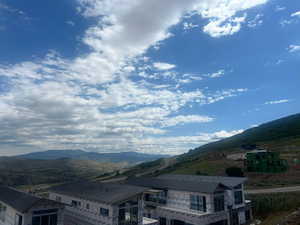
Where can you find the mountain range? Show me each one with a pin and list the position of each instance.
(121, 157)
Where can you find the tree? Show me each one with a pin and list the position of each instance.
(234, 172)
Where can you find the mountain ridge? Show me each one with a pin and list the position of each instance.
(129, 157)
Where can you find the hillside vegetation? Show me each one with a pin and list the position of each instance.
(281, 135)
(14, 171)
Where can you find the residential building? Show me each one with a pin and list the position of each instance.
(94, 203)
(195, 200)
(19, 208)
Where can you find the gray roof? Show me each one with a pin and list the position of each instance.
(173, 184)
(20, 201)
(99, 192)
(226, 181)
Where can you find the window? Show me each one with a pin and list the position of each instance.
(58, 198)
(162, 221)
(18, 220)
(198, 203)
(219, 203)
(238, 197)
(129, 213)
(76, 203)
(248, 215)
(87, 206)
(45, 217)
(104, 212)
(160, 197)
(2, 212)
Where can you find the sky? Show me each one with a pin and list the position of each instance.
(147, 76)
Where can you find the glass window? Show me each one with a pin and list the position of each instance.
(45, 220)
(198, 203)
(104, 212)
(75, 203)
(18, 220)
(219, 203)
(238, 197)
(36, 220)
(58, 198)
(162, 221)
(87, 206)
(53, 219)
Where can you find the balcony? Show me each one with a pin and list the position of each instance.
(192, 217)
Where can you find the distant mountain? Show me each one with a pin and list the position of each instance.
(18, 171)
(128, 157)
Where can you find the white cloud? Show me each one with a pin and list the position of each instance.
(294, 48)
(218, 28)
(277, 102)
(280, 8)
(71, 23)
(92, 101)
(189, 26)
(256, 21)
(217, 74)
(296, 14)
(183, 119)
(163, 66)
(180, 144)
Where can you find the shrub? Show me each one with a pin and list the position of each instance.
(234, 172)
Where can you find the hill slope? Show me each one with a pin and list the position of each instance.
(122, 157)
(281, 135)
(14, 171)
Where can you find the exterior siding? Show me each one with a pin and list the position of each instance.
(181, 200)
(83, 216)
(9, 215)
(82, 213)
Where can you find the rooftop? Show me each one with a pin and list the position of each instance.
(99, 192)
(173, 184)
(226, 181)
(20, 201)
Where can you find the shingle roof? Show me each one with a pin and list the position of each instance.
(157, 183)
(20, 201)
(226, 181)
(99, 192)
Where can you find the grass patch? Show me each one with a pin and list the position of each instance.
(271, 208)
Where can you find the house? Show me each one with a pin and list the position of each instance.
(19, 208)
(195, 200)
(94, 203)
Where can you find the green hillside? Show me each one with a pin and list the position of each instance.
(281, 130)
(281, 135)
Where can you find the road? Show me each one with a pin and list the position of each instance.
(274, 190)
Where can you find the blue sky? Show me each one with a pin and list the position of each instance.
(148, 76)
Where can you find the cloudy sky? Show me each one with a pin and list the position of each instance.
(143, 75)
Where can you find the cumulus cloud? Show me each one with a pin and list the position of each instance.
(163, 66)
(189, 26)
(294, 48)
(173, 121)
(183, 143)
(217, 74)
(296, 14)
(92, 101)
(274, 102)
(256, 21)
